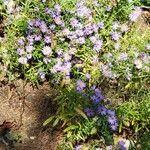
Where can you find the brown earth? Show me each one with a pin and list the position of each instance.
(29, 107)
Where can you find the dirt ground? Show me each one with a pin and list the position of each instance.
(29, 107)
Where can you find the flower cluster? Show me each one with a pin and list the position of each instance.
(98, 109)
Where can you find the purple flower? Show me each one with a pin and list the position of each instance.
(43, 27)
(95, 99)
(135, 14)
(122, 145)
(79, 32)
(48, 11)
(57, 8)
(20, 51)
(47, 39)
(89, 112)
(88, 76)
(74, 22)
(83, 11)
(80, 40)
(108, 8)
(29, 49)
(37, 37)
(148, 46)
(67, 57)
(101, 25)
(115, 36)
(106, 71)
(22, 60)
(102, 110)
(80, 85)
(52, 27)
(20, 42)
(88, 29)
(46, 60)
(93, 39)
(29, 56)
(111, 113)
(47, 51)
(30, 39)
(37, 23)
(123, 56)
(98, 45)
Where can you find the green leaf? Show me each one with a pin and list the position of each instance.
(72, 127)
(81, 113)
(56, 122)
(48, 120)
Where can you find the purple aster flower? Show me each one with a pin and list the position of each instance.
(100, 25)
(59, 51)
(47, 39)
(148, 46)
(80, 85)
(114, 127)
(46, 60)
(112, 120)
(123, 56)
(95, 27)
(83, 11)
(47, 51)
(75, 23)
(66, 69)
(79, 32)
(57, 8)
(29, 49)
(135, 14)
(111, 113)
(122, 145)
(115, 25)
(67, 57)
(52, 27)
(93, 39)
(29, 56)
(78, 147)
(102, 110)
(95, 99)
(31, 23)
(58, 20)
(98, 45)
(20, 51)
(22, 60)
(108, 8)
(89, 112)
(37, 37)
(115, 36)
(106, 71)
(81, 40)
(43, 27)
(30, 38)
(20, 42)
(48, 11)
(88, 76)
(37, 23)
(88, 29)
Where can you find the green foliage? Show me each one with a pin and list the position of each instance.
(135, 114)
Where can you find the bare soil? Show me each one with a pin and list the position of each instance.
(28, 107)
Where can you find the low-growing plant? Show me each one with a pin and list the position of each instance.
(80, 46)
